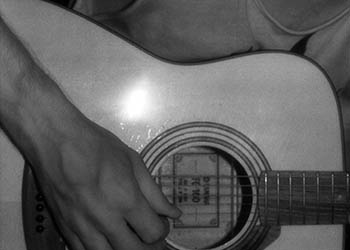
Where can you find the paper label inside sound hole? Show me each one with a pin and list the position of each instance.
(196, 189)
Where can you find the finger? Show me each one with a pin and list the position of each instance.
(121, 237)
(165, 222)
(146, 223)
(73, 242)
(91, 238)
(70, 238)
(153, 193)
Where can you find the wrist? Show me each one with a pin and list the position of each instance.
(37, 116)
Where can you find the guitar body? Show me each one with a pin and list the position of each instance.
(282, 104)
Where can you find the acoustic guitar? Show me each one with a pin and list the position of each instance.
(250, 148)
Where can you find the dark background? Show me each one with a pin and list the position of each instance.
(63, 2)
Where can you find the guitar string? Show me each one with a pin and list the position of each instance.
(283, 175)
(296, 214)
(271, 185)
(336, 202)
(339, 206)
(295, 209)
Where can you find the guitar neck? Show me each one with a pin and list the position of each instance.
(304, 198)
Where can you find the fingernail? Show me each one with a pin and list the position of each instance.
(177, 213)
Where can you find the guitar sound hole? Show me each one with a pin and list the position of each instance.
(206, 169)
(214, 193)
(211, 187)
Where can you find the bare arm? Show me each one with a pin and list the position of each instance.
(92, 181)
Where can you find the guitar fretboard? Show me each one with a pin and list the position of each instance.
(298, 198)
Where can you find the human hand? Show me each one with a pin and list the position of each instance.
(98, 190)
(102, 196)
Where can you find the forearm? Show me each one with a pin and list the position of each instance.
(94, 184)
(32, 107)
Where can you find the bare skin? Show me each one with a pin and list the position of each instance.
(99, 189)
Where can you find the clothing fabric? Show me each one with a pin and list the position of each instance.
(323, 36)
(328, 43)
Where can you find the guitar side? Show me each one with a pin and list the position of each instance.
(283, 103)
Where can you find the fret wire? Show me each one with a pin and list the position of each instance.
(290, 199)
(348, 188)
(333, 197)
(318, 197)
(304, 199)
(266, 196)
(278, 197)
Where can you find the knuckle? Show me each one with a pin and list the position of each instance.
(131, 200)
